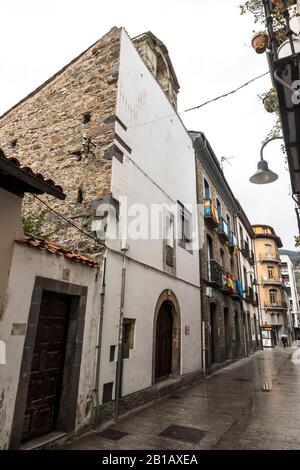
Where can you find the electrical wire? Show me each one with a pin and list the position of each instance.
(68, 221)
(203, 104)
(227, 94)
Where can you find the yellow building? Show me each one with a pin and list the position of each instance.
(270, 286)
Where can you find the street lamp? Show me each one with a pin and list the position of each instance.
(263, 174)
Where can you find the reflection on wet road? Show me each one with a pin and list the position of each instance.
(252, 404)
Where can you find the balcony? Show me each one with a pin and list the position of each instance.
(249, 255)
(221, 279)
(215, 273)
(251, 297)
(223, 230)
(275, 305)
(275, 280)
(211, 213)
(232, 242)
(239, 290)
(269, 257)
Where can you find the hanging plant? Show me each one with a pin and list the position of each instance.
(270, 101)
(260, 42)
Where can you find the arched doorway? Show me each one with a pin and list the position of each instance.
(163, 354)
(166, 347)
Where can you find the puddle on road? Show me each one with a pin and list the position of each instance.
(267, 386)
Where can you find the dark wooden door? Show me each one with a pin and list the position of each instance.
(163, 355)
(227, 333)
(47, 367)
(212, 341)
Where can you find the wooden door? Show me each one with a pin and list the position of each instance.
(212, 342)
(46, 374)
(163, 355)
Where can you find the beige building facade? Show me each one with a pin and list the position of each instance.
(270, 286)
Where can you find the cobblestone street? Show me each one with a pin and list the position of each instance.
(252, 404)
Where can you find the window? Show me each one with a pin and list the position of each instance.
(268, 247)
(273, 296)
(228, 221)
(219, 208)
(241, 238)
(270, 272)
(222, 258)
(112, 353)
(185, 227)
(107, 392)
(206, 194)
(169, 235)
(210, 254)
(170, 231)
(128, 336)
(245, 280)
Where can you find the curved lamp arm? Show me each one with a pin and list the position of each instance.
(267, 141)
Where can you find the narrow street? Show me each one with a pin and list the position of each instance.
(252, 404)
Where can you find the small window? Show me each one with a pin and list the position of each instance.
(241, 238)
(210, 254)
(169, 231)
(219, 208)
(112, 353)
(107, 392)
(270, 272)
(128, 336)
(228, 220)
(245, 280)
(273, 296)
(185, 227)
(222, 258)
(207, 194)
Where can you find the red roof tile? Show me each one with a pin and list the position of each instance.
(58, 250)
(10, 164)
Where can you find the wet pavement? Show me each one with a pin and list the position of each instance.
(252, 404)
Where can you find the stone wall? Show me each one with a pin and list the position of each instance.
(230, 343)
(65, 130)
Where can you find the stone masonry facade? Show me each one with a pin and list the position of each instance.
(65, 130)
(228, 340)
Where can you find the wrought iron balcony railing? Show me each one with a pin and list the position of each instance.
(223, 229)
(271, 280)
(268, 257)
(221, 278)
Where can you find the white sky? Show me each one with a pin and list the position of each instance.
(209, 45)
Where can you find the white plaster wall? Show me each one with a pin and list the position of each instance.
(161, 148)
(27, 264)
(142, 290)
(294, 294)
(11, 229)
(160, 170)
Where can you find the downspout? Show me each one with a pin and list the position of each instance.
(98, 347)
(119, 368)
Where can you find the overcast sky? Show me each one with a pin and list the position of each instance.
(209, 44)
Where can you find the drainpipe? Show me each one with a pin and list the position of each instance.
(98, 347)
(119, 368)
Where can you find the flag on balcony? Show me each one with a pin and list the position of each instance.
(230, 283)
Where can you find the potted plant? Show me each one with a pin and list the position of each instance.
(270, 101)
(260, 42)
